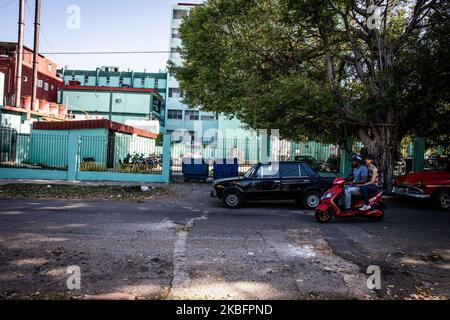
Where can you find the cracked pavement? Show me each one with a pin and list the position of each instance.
(190, 247)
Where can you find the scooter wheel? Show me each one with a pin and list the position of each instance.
(323, 217)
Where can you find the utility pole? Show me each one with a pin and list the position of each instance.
(19, 55)
(37, 29)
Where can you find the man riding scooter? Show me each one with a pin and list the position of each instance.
(357, 179)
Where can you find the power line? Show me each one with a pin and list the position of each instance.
(28, 11)
(165, 51)
(102, 52)
(6, 4)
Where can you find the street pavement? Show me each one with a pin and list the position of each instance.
(188, 246)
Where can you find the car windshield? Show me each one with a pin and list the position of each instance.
(251, 172)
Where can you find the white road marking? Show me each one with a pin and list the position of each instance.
(180, 273)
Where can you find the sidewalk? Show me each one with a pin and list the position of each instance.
(80, 183)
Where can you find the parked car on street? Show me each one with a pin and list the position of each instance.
(313, 163)
(433, 185)
(333, 163)
(274, 181)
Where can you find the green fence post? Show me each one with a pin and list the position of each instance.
(419, 154)
(166, 159)
(73, 144)
(345, 164)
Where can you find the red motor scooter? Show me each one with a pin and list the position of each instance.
(332, 204)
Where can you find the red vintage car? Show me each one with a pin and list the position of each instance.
(433, 185)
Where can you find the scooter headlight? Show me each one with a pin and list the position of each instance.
(327, 196)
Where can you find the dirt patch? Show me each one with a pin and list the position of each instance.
(122, 193)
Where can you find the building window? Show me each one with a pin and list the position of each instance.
(50, 67)
(46, 86)
(175, 114)
(52, 87)
(175, 33)
(192, 115)
(208, 118)
(175, 93)
(143, 82)
(174, 53)
(179, 14)
(40, 83)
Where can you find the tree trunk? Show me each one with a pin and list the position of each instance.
(384, 145)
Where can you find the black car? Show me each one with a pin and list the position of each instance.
(274, 181)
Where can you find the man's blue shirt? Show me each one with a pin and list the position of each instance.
(360, 172)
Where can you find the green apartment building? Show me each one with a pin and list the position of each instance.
(115, 95)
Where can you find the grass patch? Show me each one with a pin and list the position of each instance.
(39, 191)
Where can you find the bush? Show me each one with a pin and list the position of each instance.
(92, 166)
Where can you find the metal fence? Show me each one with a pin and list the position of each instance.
(37, 151)
(113, 153)
(120, 153)
(323, 157)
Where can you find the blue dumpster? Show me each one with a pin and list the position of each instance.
(226, 168)
(195, 169)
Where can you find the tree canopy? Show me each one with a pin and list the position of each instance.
(322, 69)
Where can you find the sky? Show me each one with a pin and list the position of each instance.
(101, 25)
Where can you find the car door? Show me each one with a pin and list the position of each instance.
(293, 180)
(266, 183)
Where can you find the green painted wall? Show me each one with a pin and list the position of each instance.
(86, 100)
(127, 105)
(132, 102)
(49, 147)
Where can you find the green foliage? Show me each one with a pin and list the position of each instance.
(293, 65)
(319, 69)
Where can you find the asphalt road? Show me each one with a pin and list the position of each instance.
(189, 246)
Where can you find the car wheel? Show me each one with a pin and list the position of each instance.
(311, 200)
(233, 199)
(443, 199)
